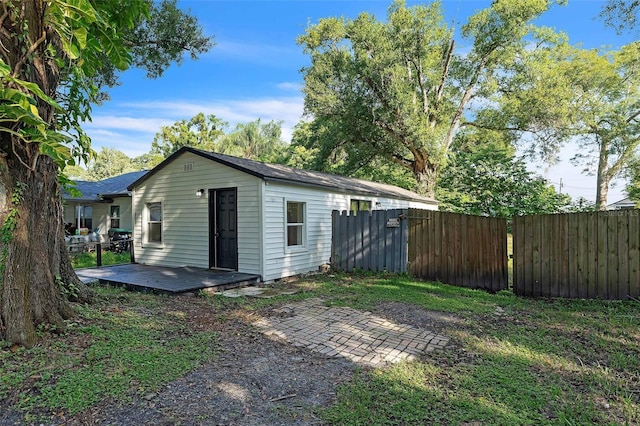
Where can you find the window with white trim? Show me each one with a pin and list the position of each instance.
(84, 217)
(295, 223)
(114, 216)
(154, 222)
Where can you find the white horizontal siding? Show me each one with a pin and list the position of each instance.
(185, 219)
(280, 262)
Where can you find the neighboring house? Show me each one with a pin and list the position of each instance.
(626, 203)
(103, 205)
(210, 210)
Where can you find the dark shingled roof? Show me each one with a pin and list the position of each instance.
(111, 187)
(279, 173)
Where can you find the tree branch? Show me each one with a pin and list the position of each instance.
(25, 57)
(445, 71)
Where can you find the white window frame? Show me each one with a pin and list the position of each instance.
(147, 221)
(287, 225)
(111, 217)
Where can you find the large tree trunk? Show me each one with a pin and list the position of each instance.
(603, 178)
(34, 263)
(426, 175)
(36, 272)
(31, 250)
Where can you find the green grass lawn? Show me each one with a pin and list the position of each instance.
(88, 260)
(512, 361)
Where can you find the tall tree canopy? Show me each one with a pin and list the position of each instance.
(254, 140)
(109, 162)
(398, 90)
(589, 96)
(491, 181)
(55, 57)
(200, 132)
(622, 15)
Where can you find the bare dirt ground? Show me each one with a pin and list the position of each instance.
(253, 381)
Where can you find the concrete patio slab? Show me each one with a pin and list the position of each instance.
(166, 280)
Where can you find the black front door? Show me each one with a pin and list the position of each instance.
(223, 231)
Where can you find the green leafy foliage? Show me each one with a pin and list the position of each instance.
(398, 91)
(590, 97)
(165, 37)
(622, 15)
(254, 140)
(110, 162)
(493, 182)
(200, 132)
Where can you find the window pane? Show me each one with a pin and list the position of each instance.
(295, 212)
(294, 235)
(155, 212)
(365, 206)
(115, 212)
(155, 232)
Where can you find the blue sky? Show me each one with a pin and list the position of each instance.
(254, 72)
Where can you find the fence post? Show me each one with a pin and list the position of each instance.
(132, 251)
(99, 254)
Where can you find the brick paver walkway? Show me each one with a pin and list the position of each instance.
(345, 332)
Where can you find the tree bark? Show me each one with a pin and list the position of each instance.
(603, 178)
(32, 250)
(426, 175)
(36, 273)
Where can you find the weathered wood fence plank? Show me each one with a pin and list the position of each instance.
(365, 241)
(593, 255)
(467, 251)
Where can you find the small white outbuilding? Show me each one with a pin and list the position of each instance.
(210, 210)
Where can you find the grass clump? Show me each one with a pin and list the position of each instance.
(89, 259)
(125, 344)
(511, 360)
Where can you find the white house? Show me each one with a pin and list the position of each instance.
(210, 210)
(100, 205)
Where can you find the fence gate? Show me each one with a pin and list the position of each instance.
(370, 241)
(467, 251)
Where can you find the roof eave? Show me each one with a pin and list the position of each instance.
(350, 190)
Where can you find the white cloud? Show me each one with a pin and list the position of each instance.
(290, 86)
(132, 130)
(103, 122)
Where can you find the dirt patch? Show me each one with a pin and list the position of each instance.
(253, 380)
(418, 317)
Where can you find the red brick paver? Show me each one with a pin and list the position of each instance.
(345, 332)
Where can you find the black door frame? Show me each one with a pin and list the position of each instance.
(213, 227)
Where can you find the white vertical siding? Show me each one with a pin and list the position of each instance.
(185, 220)
(281, 262)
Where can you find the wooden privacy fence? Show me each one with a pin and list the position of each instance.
(456, 249)
(370, 241)
(467, 251)
(592, 255)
